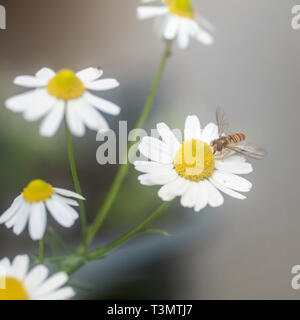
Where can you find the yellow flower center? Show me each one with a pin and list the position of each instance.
(182, 8)
(37, 190)
(194, 160)
(66, 85)
(13, 290)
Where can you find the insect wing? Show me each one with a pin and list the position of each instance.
(225, 153)
(249, 150)
(222, 122)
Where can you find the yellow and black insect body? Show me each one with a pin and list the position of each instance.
(226, 141)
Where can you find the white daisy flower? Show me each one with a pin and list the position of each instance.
(178, 21)
(64, 93)
(20, 283)
(190, 170)
(32, 205)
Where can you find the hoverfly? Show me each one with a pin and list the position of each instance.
(227, 144)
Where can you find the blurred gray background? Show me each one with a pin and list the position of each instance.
(243, 250)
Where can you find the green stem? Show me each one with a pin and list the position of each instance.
(77, 188)
(123, 170)
(61, 241)
(72, 265)
(96, 254)
(41, 251)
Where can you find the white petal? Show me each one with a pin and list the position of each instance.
(171, 27)
(160, 178)
(215, 198)
(51, 284)
(202, 196)
(52, 121)
(232, 181)
(156, 150)
(209, 133)
(100, 85)
(183, 38)
(90, 116)
(227, 191)
(65, 206)
(160, 25)
(12, 209)
(24, 208)
(151, 12)
(68, 193)
(192, 129)
(144, 180)
(165, 194)
(60, 294)
(20, 225)
(37, 221)
(45, 73)
(42, 104)
(168, 137)
(62, 213)
(150, 166)
(20, 266)
(30, 82)
(203, 36)
(36, 276)
(69, 201)
(102, 104)
(6, 265)
(189, 198)
(234, 167)
(23, 101)
(175, 188)
(74, 121)
(89, 74)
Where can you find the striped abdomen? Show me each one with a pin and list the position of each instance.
(234, 138)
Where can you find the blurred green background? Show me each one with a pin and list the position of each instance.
(245, 249)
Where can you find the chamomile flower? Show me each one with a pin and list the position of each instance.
(64, 93)
(20, 283)
(31, 207)
(178, 21)
(190, 170)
